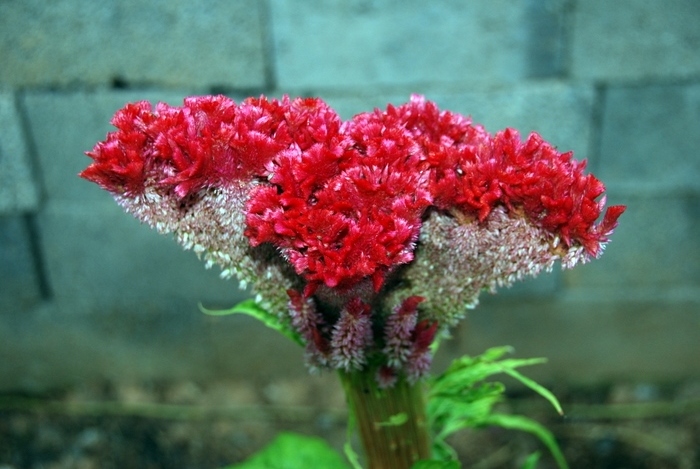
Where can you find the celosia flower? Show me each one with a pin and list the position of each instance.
(421, 357)
(407, 343)
(365, 236)
(312, 328)
(399, 332)
(352, 336)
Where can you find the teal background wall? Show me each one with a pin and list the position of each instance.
(86, 293)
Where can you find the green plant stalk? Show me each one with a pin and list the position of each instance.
(392, 423)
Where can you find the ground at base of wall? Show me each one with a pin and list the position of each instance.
(176, 425)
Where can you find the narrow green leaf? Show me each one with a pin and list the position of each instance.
(494, 353)
(466, 370)
(520, 362)
(294, 451)
(350, 453)
(251, 308)
(395, 420)
(539, 389)
(442, 451)
(531, 461)
(519, 422)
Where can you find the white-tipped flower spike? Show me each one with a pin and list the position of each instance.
(352, 336)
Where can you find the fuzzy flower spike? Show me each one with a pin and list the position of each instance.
(367, 236)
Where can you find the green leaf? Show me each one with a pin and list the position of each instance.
(462, 398)
(394, 420)
(539, 389)
(531, 461)
(351, 455)
(251, 308)
(347, 447)
(434, 464)
(467, 409)
(519, 422)
(293, 451)
(494, 353)
(466, 370)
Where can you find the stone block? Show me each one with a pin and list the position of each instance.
(164, 42)
(358, 43)
(56, 346)
(95, 253)
(19, 283)
(560, 112)
(547, 37)
(650, 138)
(99, 257)
(654, 250)
(635, 39)
(587, 341)
(18, 191)
(66, 125)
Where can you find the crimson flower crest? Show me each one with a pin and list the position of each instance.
(365, 236)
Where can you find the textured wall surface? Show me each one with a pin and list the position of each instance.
(87, 293)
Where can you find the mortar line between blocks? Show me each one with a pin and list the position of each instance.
(268, 41)
(597, 116)
(38, 259)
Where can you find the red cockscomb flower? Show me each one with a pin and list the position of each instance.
(389, 223)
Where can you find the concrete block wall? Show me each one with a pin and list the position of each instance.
(87, 293)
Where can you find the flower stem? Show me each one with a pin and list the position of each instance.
(392, 423)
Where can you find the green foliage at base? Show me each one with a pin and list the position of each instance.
(460, 398)
(293, 451)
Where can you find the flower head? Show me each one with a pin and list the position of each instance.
(367, 236)
(352, 336)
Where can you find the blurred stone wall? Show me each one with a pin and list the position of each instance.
(87, 293)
